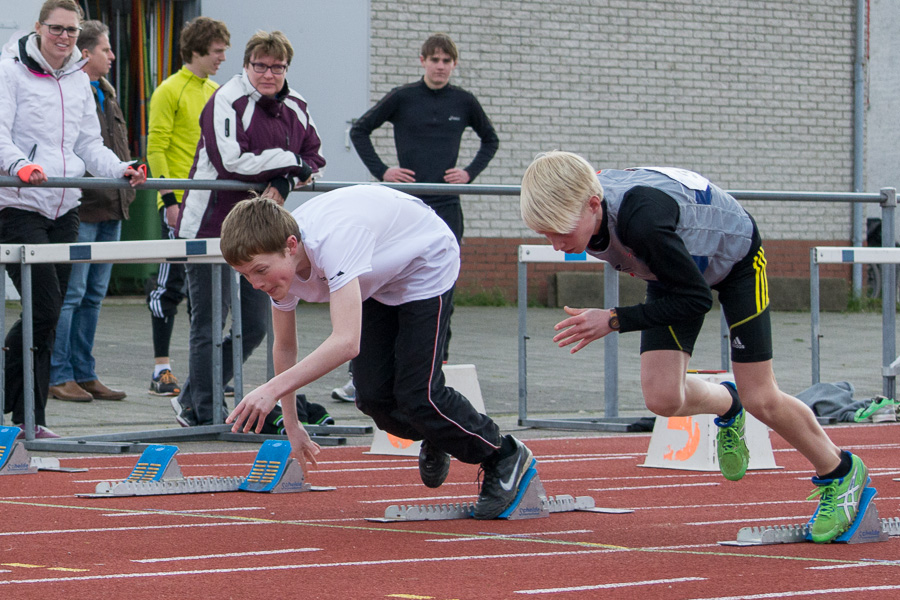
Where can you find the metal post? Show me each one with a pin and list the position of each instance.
(27, 350)
(217, 391)
(611, 346)
(814, 313)
(522, 303)
(237, 336)
(888, 294)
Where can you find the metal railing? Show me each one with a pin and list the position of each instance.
(181, 250)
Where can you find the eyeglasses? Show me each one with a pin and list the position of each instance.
(57, 30)
(259, 67)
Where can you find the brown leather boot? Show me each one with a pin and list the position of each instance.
(70, 392)
(100, 391)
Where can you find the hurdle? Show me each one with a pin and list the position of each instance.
(849, 255)
(157, 473)
(180, 250)
(531, 502)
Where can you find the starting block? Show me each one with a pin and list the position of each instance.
(157, 473)
(15, 460)
(531, 502)
(866, 528)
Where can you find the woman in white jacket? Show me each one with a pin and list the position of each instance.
(48, 128)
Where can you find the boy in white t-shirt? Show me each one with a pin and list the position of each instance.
(386, 263)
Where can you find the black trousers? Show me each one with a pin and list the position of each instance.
(166, 294)
(400, 382)
(48, 288)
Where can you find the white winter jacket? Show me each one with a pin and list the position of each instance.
(48, 118)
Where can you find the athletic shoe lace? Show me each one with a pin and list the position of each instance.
(730, 439)
(826, 494)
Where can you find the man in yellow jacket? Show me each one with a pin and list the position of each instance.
(175, 109)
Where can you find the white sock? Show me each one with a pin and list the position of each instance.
(159, 369)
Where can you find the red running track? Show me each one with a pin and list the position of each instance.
(319, 545)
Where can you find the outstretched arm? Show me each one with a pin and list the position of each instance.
(334, 351)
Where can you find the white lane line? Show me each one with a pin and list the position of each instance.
(226, 555)
(798, 593)
(654, 487)
(864, 562)
(363, 563)
(140, 528)
(193, 511)
(491, 535)
(420, 500)
(609, 586)
(801, 518)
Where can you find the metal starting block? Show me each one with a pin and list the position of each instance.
(866, 528)
(15, 460)
(157, 473)
(530, 503)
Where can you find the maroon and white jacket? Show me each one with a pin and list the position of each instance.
(246, 136)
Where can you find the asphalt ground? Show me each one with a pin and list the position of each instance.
(560, 385)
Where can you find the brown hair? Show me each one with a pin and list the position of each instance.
(439, 41)
(274, 45)
(256, 226)
(90, 35)
(198, 34)
(50, 5)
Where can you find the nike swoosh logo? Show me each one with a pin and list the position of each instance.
(508, 484)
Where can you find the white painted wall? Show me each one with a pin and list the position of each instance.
(330, 67)
(882, 160)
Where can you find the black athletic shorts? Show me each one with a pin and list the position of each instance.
(744, 296)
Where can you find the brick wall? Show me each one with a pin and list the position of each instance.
(490, 265)
(754, 95)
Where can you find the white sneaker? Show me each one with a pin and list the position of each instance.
(346, 393)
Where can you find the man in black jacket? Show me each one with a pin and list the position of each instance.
(429, 117)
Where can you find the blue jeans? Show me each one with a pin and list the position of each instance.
(72, 358)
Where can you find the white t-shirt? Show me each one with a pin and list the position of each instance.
(400, 250)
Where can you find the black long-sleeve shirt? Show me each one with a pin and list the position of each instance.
(647, 223)
(428, 127)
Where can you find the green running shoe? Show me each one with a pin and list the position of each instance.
(731, 449)
(838, 502)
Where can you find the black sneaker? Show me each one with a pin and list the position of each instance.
(501, 482)
(434, 464)
(183, 414)
(165, 384)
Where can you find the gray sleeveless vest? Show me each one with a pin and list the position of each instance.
(715, 229)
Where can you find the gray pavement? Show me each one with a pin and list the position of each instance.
(559, 384)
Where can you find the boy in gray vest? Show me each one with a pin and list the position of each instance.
(685, 236)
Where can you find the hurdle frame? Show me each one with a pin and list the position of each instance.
(886, 254)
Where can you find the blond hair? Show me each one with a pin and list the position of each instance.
(256, 226)
(555, 188)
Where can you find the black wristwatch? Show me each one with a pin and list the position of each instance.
(613, 320)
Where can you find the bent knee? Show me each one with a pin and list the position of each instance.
(665, 403)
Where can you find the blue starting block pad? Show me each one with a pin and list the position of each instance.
(531, 502)
(867, 527)
(157, 473)
(274, 471)
(15, 460)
